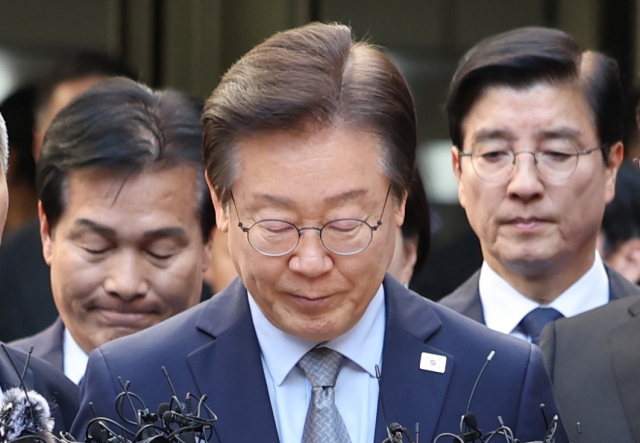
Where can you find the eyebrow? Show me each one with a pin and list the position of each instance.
(563, 132)
(492, 134)
(105, 231)
(286, 202)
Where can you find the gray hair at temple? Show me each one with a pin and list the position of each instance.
(4, 145)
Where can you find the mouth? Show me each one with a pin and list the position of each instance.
(527, 224)
(311, 303)
(124, 318)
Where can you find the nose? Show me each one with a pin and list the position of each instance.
(125, 277)
(310, 258)
(524, 182)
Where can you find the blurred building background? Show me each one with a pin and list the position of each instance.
(188, 44)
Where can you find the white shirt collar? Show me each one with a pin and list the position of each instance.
(504, 307)
(75, 359)
(362, 344)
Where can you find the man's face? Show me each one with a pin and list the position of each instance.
(309, 180)
(126, 256)
(528, 225)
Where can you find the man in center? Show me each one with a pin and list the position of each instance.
(309, 147)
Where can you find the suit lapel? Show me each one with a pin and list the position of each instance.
(619, 287)
(624, 343)
(411, 395)
(229, 369)
(8, 376)
(466, 299)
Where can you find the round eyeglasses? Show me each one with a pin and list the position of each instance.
(345, 236)
(556, 161)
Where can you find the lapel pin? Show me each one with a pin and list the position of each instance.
(433, 362)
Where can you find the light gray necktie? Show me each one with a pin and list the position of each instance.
(324, 423)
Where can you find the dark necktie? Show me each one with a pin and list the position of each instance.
(533, 323)
(324, 423)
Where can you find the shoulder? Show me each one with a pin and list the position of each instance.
(43, 340)
(464, 295)
(61, 393)
(184, 332)
(603, 318)
(619, 286)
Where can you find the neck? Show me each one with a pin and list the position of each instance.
(543, 282)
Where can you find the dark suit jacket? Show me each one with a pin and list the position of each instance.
(466, 299)
(60, 392)
(26, 305)
(594, 362)
(213, 349)
(47, 345)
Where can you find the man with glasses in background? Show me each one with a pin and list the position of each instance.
(536, 127)
(309, 147)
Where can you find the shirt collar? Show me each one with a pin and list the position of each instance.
(504, 307)
(75, 359)
(362, 344)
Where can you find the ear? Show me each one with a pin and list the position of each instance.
(410, 250)
(399, 210)
(455, 163)
(46, 235)
(208, 250)
(222, 218)
(616, 155)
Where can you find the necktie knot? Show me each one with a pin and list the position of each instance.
(321, 366)
(534, 322)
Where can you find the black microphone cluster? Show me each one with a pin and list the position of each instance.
(469, 427)
(191, 421)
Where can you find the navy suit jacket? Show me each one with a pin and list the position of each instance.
(466, 299)
(61, 393)
(47, 345)
(212, 349)
(594, 362)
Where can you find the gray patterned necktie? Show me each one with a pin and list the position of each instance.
(324, 423)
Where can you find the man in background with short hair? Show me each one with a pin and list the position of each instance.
(536, 128)
(27, 305)
(125, 217)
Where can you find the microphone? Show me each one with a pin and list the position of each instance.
(469, 428)
(395, 431)
(26, 414)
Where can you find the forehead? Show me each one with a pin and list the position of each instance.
(531, 111)
(316, 162)
(148, 197)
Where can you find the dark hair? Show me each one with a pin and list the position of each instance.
(526, 56)
(123, 126)
(310, 78)
(417, 220)
(75, 66)
(621, 221)
(17, 110)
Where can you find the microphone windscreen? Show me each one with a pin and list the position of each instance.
(26, 413)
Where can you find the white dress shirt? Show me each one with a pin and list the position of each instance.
(356, 389)
(504, 307)
(74, 363)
